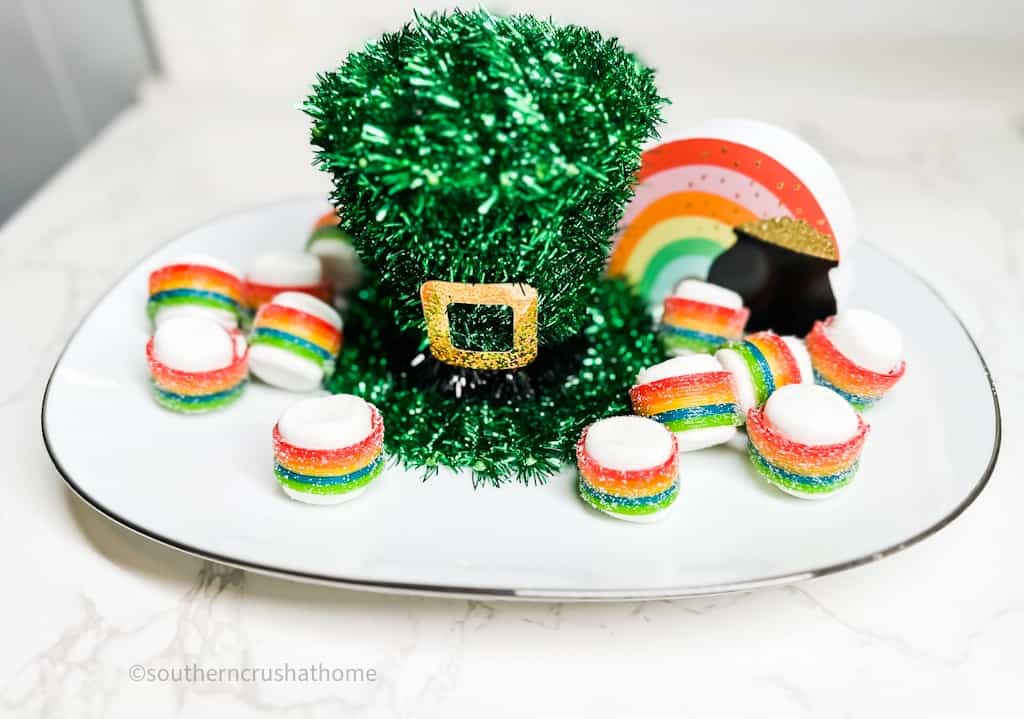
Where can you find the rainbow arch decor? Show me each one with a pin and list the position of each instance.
(692, 191)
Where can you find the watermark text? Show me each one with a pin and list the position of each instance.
(278, 673)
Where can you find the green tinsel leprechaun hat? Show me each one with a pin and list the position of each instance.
(481, 164)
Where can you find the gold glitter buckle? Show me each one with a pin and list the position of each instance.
(438, 296)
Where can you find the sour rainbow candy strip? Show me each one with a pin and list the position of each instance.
(694, 401)
(700, 327)
(257, 295)
(860, 386)
(802, 468)
(192, 284)
(326, 228)
(770, 362)
(298, 332)
(193, 392)
(628, 492)
(331, 471)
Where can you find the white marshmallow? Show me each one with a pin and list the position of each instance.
(286, 269)
(691, 439)
(802, 357)
(709, 293)
(193, 344)
(197, 258)
(281, 368)
(811, 414)
(842, 278)
(813, 496)
(340, 262)
(310, 305)
(628, 443)
(866, 339)
(678, 367)
(642, 518)
(240, 344)
(742, 382)
(323, 500)
(334, 422)
(224, 318)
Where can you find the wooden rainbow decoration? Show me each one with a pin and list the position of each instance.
(691, 193)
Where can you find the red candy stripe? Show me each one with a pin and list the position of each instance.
(328, 219)
(733, 320)
(256, 294)
(227, 278)
(685, 386)
(795, 456)
(835, 367)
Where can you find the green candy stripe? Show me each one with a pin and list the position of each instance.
(676, 342)
(756, 370)
(722, 419)
(773, 477)
(621, 509)
(329, 233)
(193, 408)
(330, 488)
(297, 349)
(153, 306)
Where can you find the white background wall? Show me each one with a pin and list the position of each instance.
(69, 66)
(273, 45)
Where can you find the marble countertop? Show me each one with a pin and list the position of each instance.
(936, 630)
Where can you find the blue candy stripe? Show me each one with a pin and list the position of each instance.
(198, 294)
(293, 339)
(856, 400)
(629, 501)
(198, 398)
(693, 334)
(822, 481)
(328, 481)
(686, 413)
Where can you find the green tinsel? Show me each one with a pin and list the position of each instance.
(474, 148)
(498, 438)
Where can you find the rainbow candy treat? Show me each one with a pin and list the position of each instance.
(195, 392)
(310, 339)
(692, 326)
(189, 284)
(760, 364)
(326, 228)
(257, 295)
(337, 253)
(635, 495)
(690, 402)
(860, 386)
(803, 470)
(330, 473)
